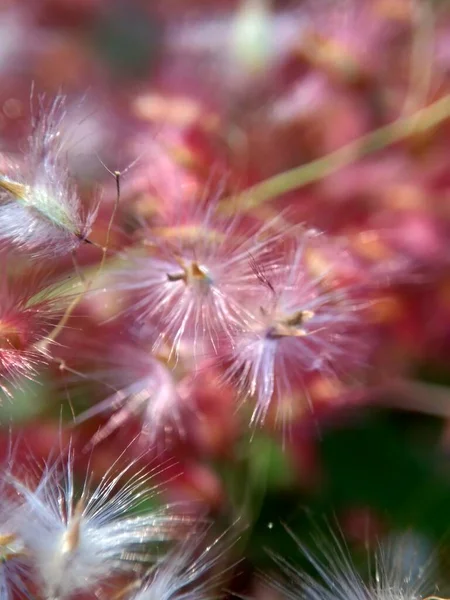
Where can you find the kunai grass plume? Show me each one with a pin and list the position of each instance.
(15, 566)
(303, 321)
(195, 278)
(400, 570)
(141, 388)
(28, 311)
(77, 540)
(40, 210)
(194, 570)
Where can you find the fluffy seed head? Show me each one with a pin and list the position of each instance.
(192, 285)
(77, 541)
(27, 314)
(399, 571)
(144, 389)
(301, 322)
(40, 210)
(189, 572)
(15, 567)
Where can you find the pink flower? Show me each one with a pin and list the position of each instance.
(303, 321)
(142, 390)
(191, 285)
(40, 210)
(27, 314)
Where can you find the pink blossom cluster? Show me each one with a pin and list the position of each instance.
(250, 235)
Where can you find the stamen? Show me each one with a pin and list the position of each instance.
(192, 272)
(71, 538)
(290, 326)
(298, 318)
(18, 190)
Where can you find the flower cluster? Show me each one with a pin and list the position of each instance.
(399, 571)
(28, 312)
(40, 210)
(60, 537)
(270, 251)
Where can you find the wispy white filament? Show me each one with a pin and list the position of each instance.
(40, 209)
(193, 286)
(298, 324)
(142, 388)
(15, 566)
(191, 572)
(400, 571)
(77, 541)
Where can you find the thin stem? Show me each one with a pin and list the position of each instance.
(403, 128)
(87, 285)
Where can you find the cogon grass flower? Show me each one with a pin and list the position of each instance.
(400, 570)
(28, 311)
(193, 570)
(142, 389)
(15, 570)
(40, 209)
(303, 321)
(78, 541)
(15, 567)
(193, 281)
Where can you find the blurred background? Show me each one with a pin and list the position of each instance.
(253, 88)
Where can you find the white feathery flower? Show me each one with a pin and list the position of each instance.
(40, 209)
(301, 322)
(144, 390)
(399, 570)
(77, 541)
(192, 285)
(192, 571)
(28, 312)
(15, 568)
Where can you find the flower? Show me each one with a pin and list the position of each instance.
(40, 209)
(189, 572)
(401, 572)
(28, 311)
(143, 388)
(303, 321)
(15, 567)
(77, 541)
(193, 283)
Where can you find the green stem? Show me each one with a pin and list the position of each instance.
(403, 128)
